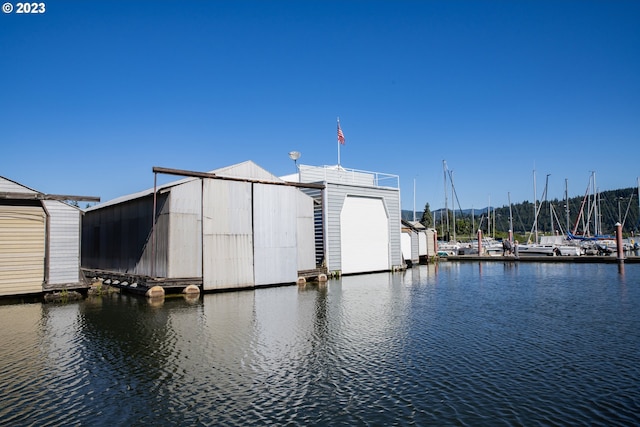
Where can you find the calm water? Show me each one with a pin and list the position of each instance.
(455, 344)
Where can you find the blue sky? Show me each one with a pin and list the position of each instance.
(96, 93)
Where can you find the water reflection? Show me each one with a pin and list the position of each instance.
(621, 269)
(447, 344)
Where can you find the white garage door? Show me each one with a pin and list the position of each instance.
(364, 235)
(405, 242)
(22, 245)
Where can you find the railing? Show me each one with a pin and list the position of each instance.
(340, 175)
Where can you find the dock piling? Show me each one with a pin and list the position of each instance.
(620, 248)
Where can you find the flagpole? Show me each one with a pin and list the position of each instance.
(339, 144)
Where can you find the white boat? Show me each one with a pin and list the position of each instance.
(448, 248)
(537, 249)
(565, 247)
(493, 248)
(551, 246)
(540, 249)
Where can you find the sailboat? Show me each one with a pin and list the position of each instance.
(547, 245)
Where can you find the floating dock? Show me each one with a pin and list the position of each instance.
(585, 259)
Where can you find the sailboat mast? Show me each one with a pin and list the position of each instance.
(566, 201)
(596, 214)
(546, 198)
(453, 200)
(552, 230)
(414, 200)
(510, 218)
(489, 218)
(473, 219)
(535, 208)
(446, 208)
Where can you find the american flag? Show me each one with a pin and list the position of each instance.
(340, 135)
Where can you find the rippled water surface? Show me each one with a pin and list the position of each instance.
(453, 344)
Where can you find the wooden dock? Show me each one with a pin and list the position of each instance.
(139, 284)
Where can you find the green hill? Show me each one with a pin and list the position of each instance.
(614, 205)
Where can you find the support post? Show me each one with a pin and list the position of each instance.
(620, 248)
(479, 242)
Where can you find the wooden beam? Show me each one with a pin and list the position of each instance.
(194, 174)
(42, 196)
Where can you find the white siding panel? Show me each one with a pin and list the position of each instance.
(8, 186)
(22, 249)
(335, 196)
(422, 244)
(185, 230)
(305, 233)
(275, 229)
(64, 243)
(248, 170)
(415, 247)
(405, 238)
(364, 230)
(334, 200)
(227, 235)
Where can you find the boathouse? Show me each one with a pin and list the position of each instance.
(39, 240)
(427, 242)
(357, 218)
(410, 238)
(235, 227)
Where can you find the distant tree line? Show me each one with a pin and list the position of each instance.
(613, 206)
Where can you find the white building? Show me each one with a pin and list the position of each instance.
(357, 218)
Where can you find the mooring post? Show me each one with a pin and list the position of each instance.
(620, 250)
(435, 242)
(479, 242)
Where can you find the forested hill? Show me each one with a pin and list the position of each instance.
(614, 206)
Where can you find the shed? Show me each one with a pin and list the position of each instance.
(39, 240)
(357, 218)
(235, 227)
(410, 241)
(427, 240)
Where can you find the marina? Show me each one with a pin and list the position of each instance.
(452, 343)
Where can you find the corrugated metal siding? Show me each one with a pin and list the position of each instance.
(247, 170)
(8, 186)
(305, 233)
(334, 199)
(227, 235)
(318, 222)
(155, 262)
(64, 243)
(415, 247)
(335, 195)
(364, 230)
(185, 230)
(118, 237)
(274, 228)
(22, 249)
